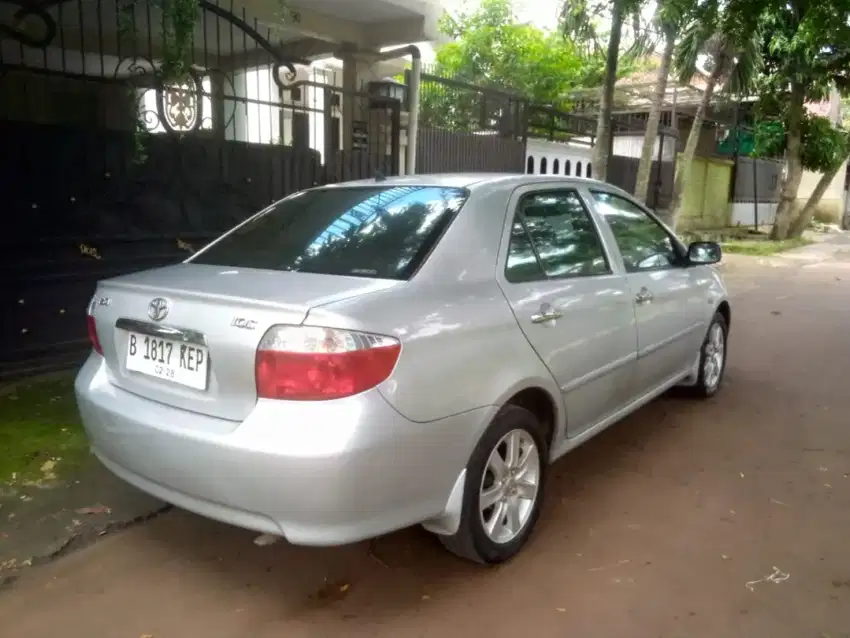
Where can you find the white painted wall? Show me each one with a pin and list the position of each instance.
(557, 158)
(835, 190)
(632, 146)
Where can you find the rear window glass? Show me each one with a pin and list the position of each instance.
(383, 232)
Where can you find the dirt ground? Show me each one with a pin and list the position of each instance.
(725, 518)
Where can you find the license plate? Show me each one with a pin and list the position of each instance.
(174, 361)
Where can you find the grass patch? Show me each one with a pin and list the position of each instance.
(762, 247)
(41, 436)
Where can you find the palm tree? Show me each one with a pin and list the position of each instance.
(726, 32)
(668, 16)
(577, 21)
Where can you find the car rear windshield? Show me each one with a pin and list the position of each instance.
(383, 232)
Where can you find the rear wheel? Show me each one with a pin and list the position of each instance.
(504, 489)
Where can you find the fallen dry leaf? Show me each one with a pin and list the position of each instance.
(94, 509)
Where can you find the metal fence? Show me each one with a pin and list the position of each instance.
(442, 151)
(110, 165)
(755, 191)
(464, 127)
(757, 180)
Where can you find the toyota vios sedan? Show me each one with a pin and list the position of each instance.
(366, 356)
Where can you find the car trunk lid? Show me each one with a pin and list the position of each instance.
(186, 335)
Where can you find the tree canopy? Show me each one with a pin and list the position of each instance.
(492, 48)
(805, 50)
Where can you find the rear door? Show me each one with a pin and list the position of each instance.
(574, 308)
(669, 302)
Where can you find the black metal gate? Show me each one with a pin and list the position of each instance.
(107, 167)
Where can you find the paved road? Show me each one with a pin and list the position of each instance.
(727, 518)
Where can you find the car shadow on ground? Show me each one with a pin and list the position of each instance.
(406, 570)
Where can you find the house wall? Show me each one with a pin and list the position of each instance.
(632, 146)
(831, 206)
(707, 145)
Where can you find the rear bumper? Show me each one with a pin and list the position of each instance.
(317, 473)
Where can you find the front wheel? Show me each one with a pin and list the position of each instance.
(504, 489)
(712, 361)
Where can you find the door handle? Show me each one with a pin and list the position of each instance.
(546, 315)
(643, 296)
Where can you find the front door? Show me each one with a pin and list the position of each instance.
(669, 305)
(574, 309)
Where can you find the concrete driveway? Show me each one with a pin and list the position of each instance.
(725, 518)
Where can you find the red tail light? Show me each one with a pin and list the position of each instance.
(95, 341)
(304, 363)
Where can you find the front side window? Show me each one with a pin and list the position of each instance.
(384, 232)
(559, 232)
(643, 242)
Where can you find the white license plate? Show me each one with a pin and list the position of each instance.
(174, 361)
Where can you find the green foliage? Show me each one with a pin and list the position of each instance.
(769, 138)
(808, 44)
(179, 18)
(41, 437)
(726, 31)
(763, 248)
(492, 49)
(824, 146)
(178, 29)
(585, 22)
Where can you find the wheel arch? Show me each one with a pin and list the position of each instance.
(542, 405)
(726, 311)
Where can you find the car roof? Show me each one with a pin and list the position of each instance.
(465, 180)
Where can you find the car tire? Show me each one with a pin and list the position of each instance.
(711, 366)
(478, 537)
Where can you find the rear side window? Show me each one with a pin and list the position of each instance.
(553, 236)
(384, 232)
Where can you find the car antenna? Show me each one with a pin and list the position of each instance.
(380, 177)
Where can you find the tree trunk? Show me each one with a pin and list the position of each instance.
(802, 221)
(683, 167)
(794, 172)
(602, 144)
(644, 173)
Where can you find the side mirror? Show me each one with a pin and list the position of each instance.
(703, 253)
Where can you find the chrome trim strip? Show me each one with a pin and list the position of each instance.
(164, 332)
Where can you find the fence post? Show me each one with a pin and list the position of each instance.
(755, 193)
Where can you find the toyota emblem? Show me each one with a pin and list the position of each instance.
(158, 309)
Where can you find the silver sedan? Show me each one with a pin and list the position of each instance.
(366, 356)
